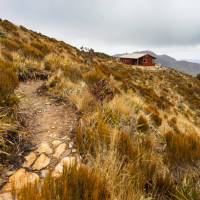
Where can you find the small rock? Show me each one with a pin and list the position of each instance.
(9, 173)
(44, 173)
(56, 143)
(29, 159)
(67, 152)
(44, 148)
(42, 162)
(59, 150)
(71, 145)
(53, 135)
(67, 161)
(74, 151)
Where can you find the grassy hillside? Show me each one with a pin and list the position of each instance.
(138, 133)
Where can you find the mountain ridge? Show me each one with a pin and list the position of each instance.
(165, 60)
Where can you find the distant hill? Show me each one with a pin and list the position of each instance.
(191, 68)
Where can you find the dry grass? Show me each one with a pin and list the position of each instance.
(124, 113)
(75, 183)
(10, 45)
(8, 82)
(182, 147)
(7, 55)
(32, 52)
(142, 124)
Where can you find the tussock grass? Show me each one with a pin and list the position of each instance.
(31, 52)
(6, 55)
(8, 81)
(142, 124)
(41, 47)
(75, 183)
(118, 105)
(9, 44)
(182, 147)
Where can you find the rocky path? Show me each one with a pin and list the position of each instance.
(50, 125)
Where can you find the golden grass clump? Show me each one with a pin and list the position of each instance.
(89, 139)
(93, 76)
(154, 115)
(32, 52)
(72, 72)
(6, 55)
(44, 48)
(8, 81)
(142, 123)
(9, 44)
(75, 183)
(182, 147)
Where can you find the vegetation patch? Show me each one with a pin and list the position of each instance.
(182, 147)
(75, 183)
(8, 82)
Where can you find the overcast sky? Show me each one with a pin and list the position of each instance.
(114, 26)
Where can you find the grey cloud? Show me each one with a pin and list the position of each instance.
(153, 23)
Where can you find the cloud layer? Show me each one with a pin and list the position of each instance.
(132, 23)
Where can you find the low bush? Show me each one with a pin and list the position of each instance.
(102, 91)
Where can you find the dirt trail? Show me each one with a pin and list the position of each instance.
(50, 125)
(47, 120)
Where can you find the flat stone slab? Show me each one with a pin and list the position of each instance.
(55, 143)
(29, 159)
(41, 163)
(20, 179)
(66, 161)
(44, 148)
(59, 150)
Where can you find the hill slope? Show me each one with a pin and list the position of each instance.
(137, 129)
(183, 66)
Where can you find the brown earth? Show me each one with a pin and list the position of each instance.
(50, 125)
